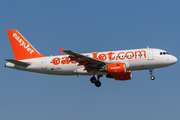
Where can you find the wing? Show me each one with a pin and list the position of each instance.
(88, 62)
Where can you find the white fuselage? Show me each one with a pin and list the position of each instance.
(135, 59)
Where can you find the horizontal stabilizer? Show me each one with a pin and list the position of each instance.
(18, 62)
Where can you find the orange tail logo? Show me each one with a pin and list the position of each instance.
(22, 49)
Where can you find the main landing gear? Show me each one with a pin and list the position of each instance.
(151, 73)
(96, 81)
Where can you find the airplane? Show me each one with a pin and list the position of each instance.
(113, 64)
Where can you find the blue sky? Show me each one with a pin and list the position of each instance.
(88, 26)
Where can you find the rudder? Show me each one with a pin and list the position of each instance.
(22, 49)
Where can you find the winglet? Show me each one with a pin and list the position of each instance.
(61, 50)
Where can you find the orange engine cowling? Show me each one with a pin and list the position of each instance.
(123, 77)
(116, 68)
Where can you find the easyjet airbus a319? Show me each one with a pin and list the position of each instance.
(113, 64)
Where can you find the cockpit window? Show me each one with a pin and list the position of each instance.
(164, 53)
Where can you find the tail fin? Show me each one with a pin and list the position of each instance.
(22, 49)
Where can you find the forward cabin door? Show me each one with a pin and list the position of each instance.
(150, 54)
(43, 63)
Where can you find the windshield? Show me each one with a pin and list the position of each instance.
(164, 53)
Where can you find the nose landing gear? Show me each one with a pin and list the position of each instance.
(96, 81)
(151, 73)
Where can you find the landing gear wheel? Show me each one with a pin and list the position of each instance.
(152, 77)
(151, 73)
(98, 83)
(93, 79)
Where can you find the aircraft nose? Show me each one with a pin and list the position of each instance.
(173, 59)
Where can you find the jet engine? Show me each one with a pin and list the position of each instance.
(114, 68)
(126, 76)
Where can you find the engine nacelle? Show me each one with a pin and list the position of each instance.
(126, 76)
(114, 68)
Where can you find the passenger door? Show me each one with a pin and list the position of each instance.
(150, 54)
(43, 63)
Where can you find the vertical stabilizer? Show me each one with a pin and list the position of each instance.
(22, 49)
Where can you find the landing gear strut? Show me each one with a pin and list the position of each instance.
(151, 73)
(96, 81)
